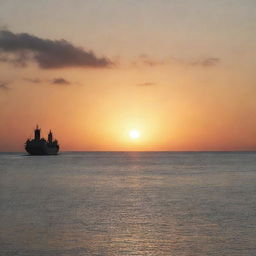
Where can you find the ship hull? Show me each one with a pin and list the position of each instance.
(43, 152)
(41, 148)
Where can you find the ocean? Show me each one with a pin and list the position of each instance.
(128, 203)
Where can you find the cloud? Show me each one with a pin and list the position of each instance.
(33, 80)
(19, 59)
(206, 62)
(151, 62)
(148, 61)
(47, 53)
(60, 81)
(146, 84)
(57, 81)
(3, 59)
(4, 86)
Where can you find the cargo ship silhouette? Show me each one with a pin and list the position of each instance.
(39, 146)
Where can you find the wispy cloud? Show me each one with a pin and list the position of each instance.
(146, 84)
(206, 62)
(4, 86)
(60, 81)
(33, 80)
(54, 81)
(146, 60)
(47, 53)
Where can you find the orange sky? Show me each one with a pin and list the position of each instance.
(181, 73)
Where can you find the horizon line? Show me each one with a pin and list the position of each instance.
(153, 151)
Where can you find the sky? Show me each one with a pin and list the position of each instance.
(179, 72)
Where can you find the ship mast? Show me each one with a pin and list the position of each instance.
(50, 137)
(37, 133)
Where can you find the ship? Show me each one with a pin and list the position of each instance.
(39, 146)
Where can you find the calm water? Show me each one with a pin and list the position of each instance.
(183, 204)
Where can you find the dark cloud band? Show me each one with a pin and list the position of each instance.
(4, 86)
(48, 53)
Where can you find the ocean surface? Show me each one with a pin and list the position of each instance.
(106, 203)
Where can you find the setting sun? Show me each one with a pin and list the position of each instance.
(134, 134)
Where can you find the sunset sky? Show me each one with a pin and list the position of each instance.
(180, 72)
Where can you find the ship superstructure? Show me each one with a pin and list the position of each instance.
(39, 146)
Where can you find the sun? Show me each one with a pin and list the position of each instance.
(134, 134)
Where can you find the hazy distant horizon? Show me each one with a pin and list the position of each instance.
(140, 151)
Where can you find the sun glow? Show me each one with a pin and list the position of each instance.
(134, 134)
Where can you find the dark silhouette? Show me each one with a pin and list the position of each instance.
(39, 146)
